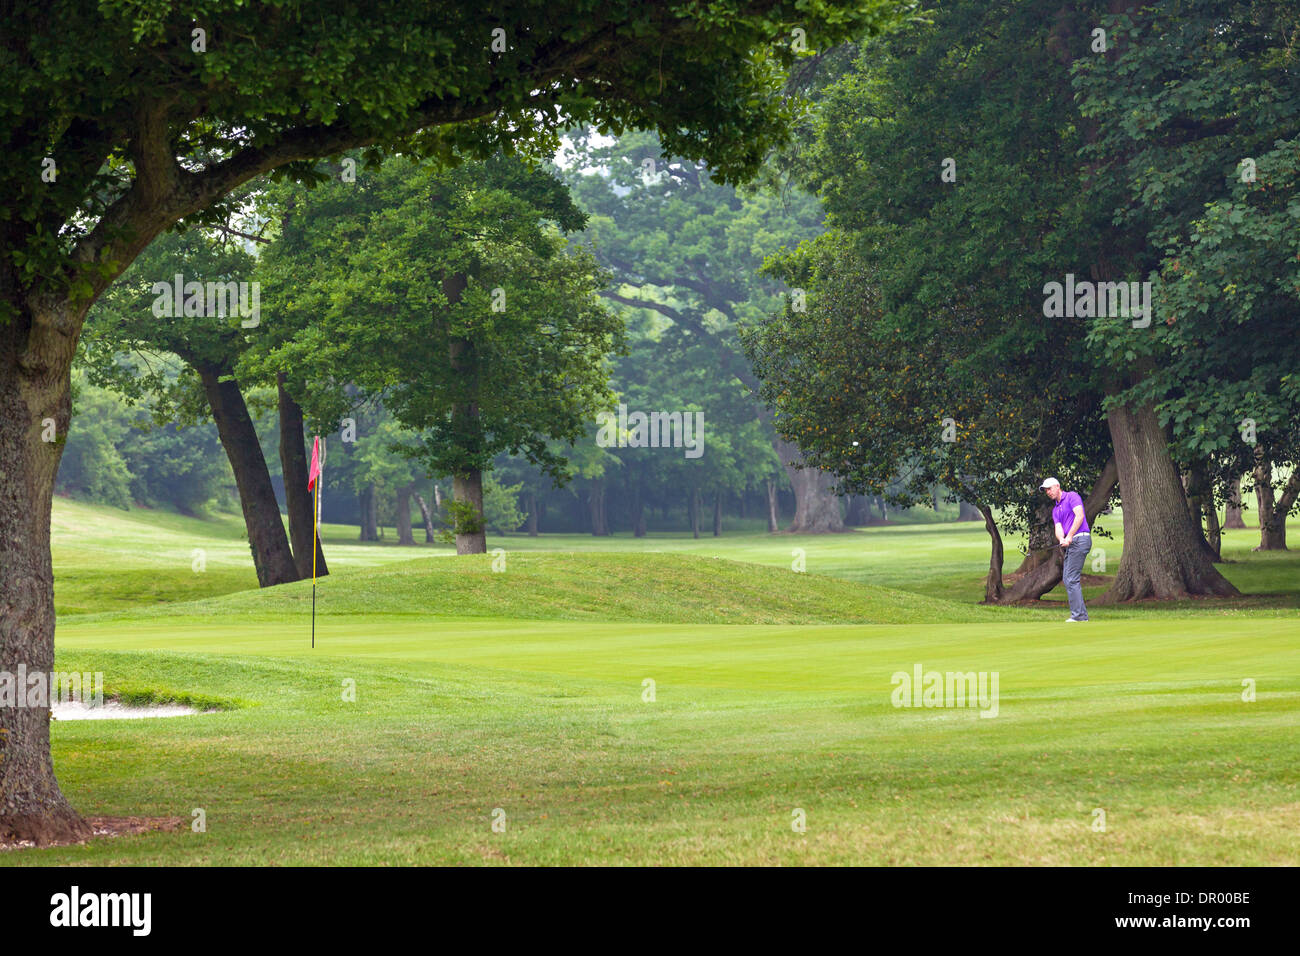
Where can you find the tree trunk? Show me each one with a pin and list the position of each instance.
(35, 358)
(373, 524)
(695, 512)
(816, 509)
(469, 488)
(638, 513)
(369, 513)
(717, 514)
(532, 514)
(1273, 512)
(1163, 557)
(299, 502)
(1213, 533)
(1042, 538)
(467, 426)
(1264, 503)
(1290, 492)
(596, 508)
(404, 535)
(1232, 510)
(773, 518)
(858, 512)
(1045, 573)
(427, 517)
(266, 535)
(993, 591)
(1199, 501)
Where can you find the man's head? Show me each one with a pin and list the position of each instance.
(1052, 487)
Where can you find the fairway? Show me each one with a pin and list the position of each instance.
(520, 696)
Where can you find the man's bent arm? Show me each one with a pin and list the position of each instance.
(1078, 520)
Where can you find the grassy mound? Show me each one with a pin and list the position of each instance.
(661, 588)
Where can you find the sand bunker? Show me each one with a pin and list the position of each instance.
(112, 710)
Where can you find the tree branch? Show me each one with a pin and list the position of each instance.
(163, 192)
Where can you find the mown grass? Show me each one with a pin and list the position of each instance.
(524, 691)
(652, 587)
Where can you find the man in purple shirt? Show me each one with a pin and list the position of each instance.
(1074, 536)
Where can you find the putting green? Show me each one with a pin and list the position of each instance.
(806, 659)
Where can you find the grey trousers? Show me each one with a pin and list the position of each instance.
(1072, 573)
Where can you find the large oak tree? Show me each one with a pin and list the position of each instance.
(962, 158)
(453, 296)
(1207, 155)
(122, 118)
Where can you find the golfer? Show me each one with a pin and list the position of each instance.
(1073, 534)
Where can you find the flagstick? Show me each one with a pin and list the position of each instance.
(315, 525)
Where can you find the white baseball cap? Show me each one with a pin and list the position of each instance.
(1049, 482)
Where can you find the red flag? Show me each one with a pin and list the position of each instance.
(314, 471)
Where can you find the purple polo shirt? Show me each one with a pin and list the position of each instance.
(1063, 512)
